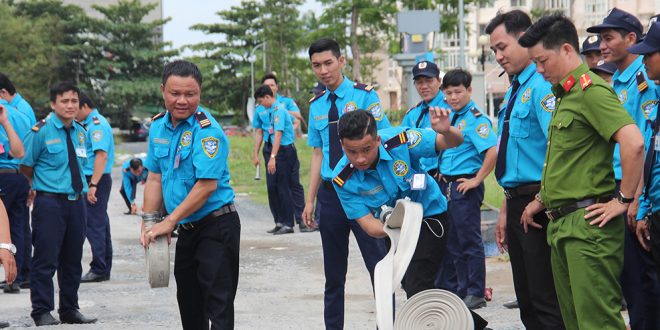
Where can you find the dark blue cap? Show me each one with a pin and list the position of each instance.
(607, 67)
(618, 19)
(591, 44)
(650, 43)
(427, 69)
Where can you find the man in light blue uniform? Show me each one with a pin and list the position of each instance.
(279, 155)
(8, 93)
(648, 224)
(132, 172)
(55, 154)
(340, 97)
(639, 96)
(523, 137)
(462, 172)
(100, 158)
(297, 191)
(189, 173)
(427, 82)
(14, 186)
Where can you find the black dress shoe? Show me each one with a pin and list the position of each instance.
(45, 319)
(272, 231)
(76, 318)
(12, 288)
(305, 229)
(511, 304)
(284, 230)
(93, 277)
(25, 284)
(4, 324)
(3, 284)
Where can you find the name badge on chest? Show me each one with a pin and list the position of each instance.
(418, 181)
(81, 152)
(177, 157)
(657, 142)
(271, 130)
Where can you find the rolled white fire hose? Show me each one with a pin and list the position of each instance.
(157, 255)
(430, 309)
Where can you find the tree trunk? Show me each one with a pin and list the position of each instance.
(355, 48)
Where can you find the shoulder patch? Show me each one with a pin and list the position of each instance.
(96, 120)
(160, 115)
(415, 106)
(475, 112)
(39, 125)
(642, 85)
(202, 119)
(363, 87)
(317, 96)
(344, 175)
(400, 139)
(414, 138)
(548, 102)
(585, 81)
(483, 130)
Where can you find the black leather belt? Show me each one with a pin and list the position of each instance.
(452, 178)
(559, 212)
(70, 197)
(328, 184)
(8, 171)
(524, 190)
(229, 208)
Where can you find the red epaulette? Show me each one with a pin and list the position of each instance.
(585, 81)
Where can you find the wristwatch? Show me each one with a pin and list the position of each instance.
(9, 246)
(622, 199)
(92, 185)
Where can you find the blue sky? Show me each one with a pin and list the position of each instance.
(186, 13)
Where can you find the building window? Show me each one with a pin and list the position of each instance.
(594, 12)
(518, 3)
(557, 4)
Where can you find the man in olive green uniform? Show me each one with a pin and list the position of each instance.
(585, 231)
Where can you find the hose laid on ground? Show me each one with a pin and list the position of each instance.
(430, 309)
(157, 255)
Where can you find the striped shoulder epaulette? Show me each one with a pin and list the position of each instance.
(317, 96)
(344, 175)
(363, 87)
(39, 125)
(160, 115)
(400, 139)
(202, 119)
(475, 112)
(96, 120)
(642, 85)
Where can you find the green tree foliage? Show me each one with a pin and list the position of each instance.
(127, 59)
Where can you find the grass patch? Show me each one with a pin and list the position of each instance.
(242, 171)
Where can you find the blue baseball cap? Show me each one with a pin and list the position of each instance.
(606, 67)
(650, 43)
(591, 44)
(618, 19)
(426, 69)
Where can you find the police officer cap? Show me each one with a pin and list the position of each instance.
(591, 44)
(618, 19)
(606, 67)
(426, 69)
(650, 43)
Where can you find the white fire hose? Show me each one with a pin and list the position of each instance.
(157, 255)
(429, 309)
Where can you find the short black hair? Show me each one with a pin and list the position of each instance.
(553, 31)
(624, 33)
(181, 68)
(5, 83)
(357, 124)
(515, 22)
(324, 44)
(61, 88)
(456, 77)
(262, 91)
(269, 76)
(84, 99)
(135, 164)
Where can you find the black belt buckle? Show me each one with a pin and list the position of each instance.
(507, 194)
(550, 215)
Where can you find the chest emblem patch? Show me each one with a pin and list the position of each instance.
(414, 137)
(350, 106)
(186, 138)
(526, 95)
(210, 146)
(400, 168)
(623, 96)
(81, 137)
(461, 125)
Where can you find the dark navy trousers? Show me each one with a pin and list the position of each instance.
(98, 228)
(58, 234)
(15, 188)
(464, 266)
(335, 229)
(279, 184)
(297, 191)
